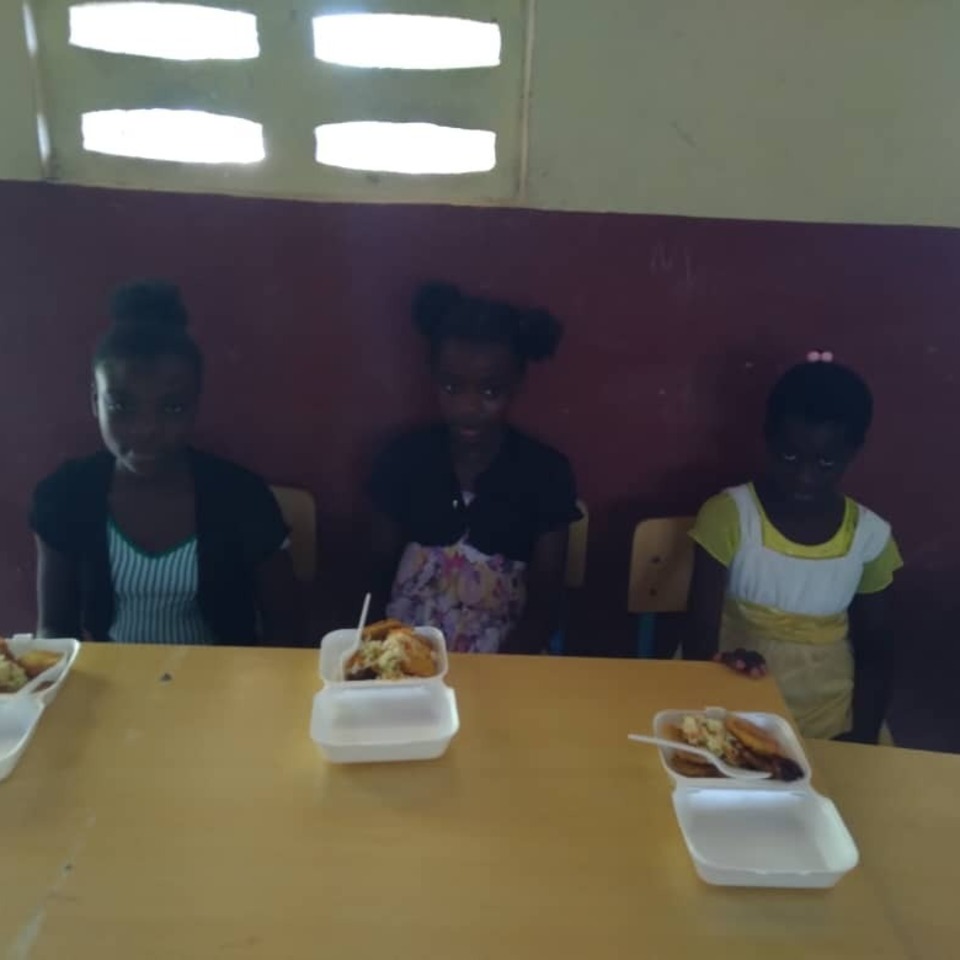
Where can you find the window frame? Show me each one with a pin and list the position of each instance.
(289, 92)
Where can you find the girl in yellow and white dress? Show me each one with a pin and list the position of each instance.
(793, 577)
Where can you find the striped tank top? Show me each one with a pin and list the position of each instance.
(155, 594)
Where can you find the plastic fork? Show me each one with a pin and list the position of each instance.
(735, 773)
(355, 645)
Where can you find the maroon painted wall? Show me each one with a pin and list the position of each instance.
(676, 327)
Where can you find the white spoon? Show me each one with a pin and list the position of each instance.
(735, 773)
(355, 646)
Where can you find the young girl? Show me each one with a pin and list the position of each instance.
(794, 577)
(476, 512)
(150, 540)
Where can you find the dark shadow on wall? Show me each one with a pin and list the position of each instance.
(675, 329)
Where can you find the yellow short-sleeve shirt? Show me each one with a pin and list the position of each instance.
(878, 573)
(717, 530)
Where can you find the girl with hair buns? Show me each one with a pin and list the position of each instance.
(473, 514)
(793, 577)
(151, 540)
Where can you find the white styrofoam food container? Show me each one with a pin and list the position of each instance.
(352, 723)
(765, 838)
(770, 722)
(759, 833)
(69, 649)
(18, 722)
(378, 721)
(336, 644)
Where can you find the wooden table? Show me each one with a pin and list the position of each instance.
(902, 807)
(192, 817)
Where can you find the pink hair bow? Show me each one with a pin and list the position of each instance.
(820, 356)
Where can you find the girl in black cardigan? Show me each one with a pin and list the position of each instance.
(472, 514)
(151, 540)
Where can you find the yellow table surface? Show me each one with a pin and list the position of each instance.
(194, 817)
(903, 809)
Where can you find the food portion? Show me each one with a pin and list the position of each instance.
(391, 650)
(35, 662)
(736, 741)
(12, 675)
(17, 671)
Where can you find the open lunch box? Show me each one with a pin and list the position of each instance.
(758, 833)
(20, 715)
(377, 721)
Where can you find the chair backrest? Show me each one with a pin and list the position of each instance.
(300, 515)
(577, 549)
(661, 563)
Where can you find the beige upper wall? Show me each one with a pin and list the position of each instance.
(836, 110)
(842, 110)
(19, 155)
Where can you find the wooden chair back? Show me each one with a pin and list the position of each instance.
(300, 515)
(577, 549)
(661, 564)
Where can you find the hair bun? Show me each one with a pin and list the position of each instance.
(433, 301)
(149, 302)
(538, 334)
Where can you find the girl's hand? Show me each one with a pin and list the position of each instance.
(747, 662)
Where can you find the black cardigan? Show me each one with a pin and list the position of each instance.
(239, 525)
(526, 492)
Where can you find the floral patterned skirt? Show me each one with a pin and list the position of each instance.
(474, 599)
